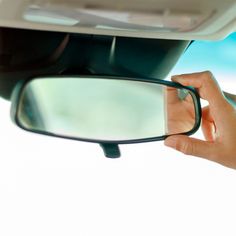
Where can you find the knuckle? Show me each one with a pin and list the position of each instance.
(185, 147)
(207, 76)
(209, 81)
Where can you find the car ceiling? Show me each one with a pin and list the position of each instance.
(182, 19)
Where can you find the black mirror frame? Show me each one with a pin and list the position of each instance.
(113, 145)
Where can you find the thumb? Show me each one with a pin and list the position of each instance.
(191, 146)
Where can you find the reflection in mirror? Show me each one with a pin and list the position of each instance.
(180, 111)
(102, 109)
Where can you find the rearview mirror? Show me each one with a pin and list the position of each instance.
(106, 110)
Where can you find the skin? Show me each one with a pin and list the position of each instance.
(180, 112)
(218, 122)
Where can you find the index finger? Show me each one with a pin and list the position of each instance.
(206, 85)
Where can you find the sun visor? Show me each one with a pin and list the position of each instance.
(23, 47)
(29, 53)
(151, 58)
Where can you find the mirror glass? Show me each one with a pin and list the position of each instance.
(105, 109)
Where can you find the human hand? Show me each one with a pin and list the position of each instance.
(218, 123)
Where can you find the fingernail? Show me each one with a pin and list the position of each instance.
(171, 142)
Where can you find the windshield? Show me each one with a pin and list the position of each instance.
(52, 186)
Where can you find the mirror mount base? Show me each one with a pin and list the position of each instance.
(111, 150)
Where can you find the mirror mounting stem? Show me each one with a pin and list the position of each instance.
(111, 150)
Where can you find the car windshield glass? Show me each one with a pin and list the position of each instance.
(217, 57)
(52, 186)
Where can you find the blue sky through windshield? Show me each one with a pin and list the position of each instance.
(218, 57)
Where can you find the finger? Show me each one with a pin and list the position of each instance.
(206, 114)
(208, 89)
(172, 95)
(208, 129)
(206, 84)
(191, 146)
(208, 125)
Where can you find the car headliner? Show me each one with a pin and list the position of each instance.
(176, 19)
